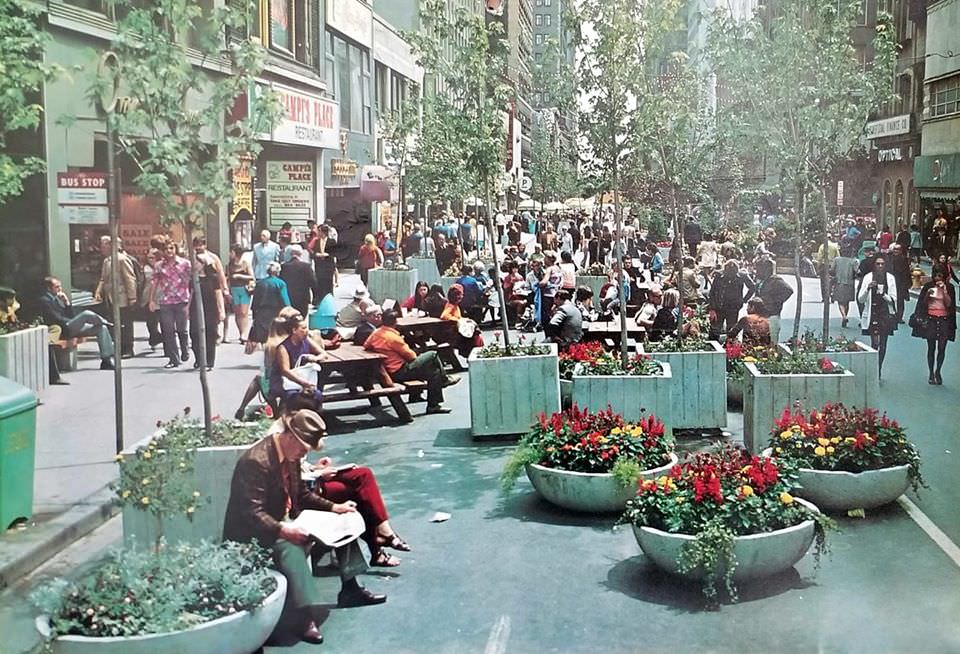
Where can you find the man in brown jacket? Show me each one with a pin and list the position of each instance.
(126, 299)
(266, 488)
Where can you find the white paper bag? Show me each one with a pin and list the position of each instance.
(308, 371)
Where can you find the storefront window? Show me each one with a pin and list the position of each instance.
(351, 76)
(898, 201)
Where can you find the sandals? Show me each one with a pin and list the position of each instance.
(384, 559)
(393, 542)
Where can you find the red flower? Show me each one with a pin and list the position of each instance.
(826, 364)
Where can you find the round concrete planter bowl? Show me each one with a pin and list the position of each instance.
(757, 555)
(840, 491)
(239, 633)
(587, 492)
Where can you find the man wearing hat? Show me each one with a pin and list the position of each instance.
(265, 490)
(351, 315)
(371, 320)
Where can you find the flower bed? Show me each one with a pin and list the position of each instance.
(699, 380)
(848, 458)
(510, 388)
(185, 598)
(711, 499)
(737, 358)
(599, 457)
(859, 358)
(176, 483)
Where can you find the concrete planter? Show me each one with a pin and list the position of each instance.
(699, 386)
(212, 473)
(426, 268)
(447, 282)
(508, 393)
(757, 555)
(239, 633)
(594, 282)
(585, 491)
(840, 491)
(632, 397)
(766, 396)
(385, 284)
(24, 357)
(865, 364)
(735, 394)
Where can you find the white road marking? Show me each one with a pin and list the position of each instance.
(497, 642)
(933, 531)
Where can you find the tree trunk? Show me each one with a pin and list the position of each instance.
(678, 269)
(491, 237)
(825, 266)
(801, 201)
(620, 290)
(201, 343)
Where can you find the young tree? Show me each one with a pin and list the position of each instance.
(22, 73)
(399, 129)
(615, 59)
(176, 127)
(437, 169)
(797, 90)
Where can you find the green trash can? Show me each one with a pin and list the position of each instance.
(18, 438)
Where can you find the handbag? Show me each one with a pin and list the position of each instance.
(308, 371)
(918, 322)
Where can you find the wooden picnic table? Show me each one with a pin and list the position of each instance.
(602, 331)
(366, 379)
(419, 331)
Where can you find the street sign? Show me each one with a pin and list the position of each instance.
(840, 193)
(82, 198)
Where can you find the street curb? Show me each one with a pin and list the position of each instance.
(43, 542)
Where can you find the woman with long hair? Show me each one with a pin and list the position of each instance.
(368, 257)
(241, 281)
(935, 319)
(416, 301)
(878, 295)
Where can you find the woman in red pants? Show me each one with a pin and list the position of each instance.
(359, 485)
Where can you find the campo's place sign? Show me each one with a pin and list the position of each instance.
(888, 127)
(308, 119)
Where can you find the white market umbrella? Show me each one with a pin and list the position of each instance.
(526, 205)
(555, 206)
(474, 202)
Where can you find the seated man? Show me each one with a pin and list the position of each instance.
(566, 323)
(56, 310)
(350, 316)
(372, 317)
(402, 363)
(265, 489)
(474, 289)
(584, 302)
(648, 310)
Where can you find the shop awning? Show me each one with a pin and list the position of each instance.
(941, 194)
(939, 172)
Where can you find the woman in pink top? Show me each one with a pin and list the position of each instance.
(935, 319)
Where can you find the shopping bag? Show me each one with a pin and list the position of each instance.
(308, 371)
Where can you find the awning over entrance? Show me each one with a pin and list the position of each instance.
(937, 173)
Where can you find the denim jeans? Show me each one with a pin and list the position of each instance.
(173, 325)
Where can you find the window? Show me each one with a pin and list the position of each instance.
(862, 13)
(546, 3)
(547, 18)
(289, 26)
(538, 20)
(539, 3)
(945, 96)
(350, 83)
(538, 39)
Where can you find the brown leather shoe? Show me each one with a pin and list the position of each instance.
(312, 634)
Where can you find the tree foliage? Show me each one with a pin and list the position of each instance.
(22, 74)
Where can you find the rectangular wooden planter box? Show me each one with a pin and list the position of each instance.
(766, 396)
(426, 268)
(865, 364)
(508, 393)
(699, 386)
(594, 282)
(632, 397)
(24, 357)
(391, 284)
(212, 473)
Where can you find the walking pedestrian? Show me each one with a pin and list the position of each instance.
(128, 293)
(878, 294)
(152, 317)
(264, 253)
(368, 257)
(774, 292)
(269, 296)
(843, 273)
(324, 263)
(935, 319)
(210, 312)
(240, 278)
(301, 282)
(171, 296)
(727, 297)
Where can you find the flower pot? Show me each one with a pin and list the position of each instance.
(865, 364)
(633, 397)
(508, 393)
(385, 284)
(699, 386)
(840, 491)
(24, 357)
(766, 396)
(239, 633)
(585, 491)
(757, 555)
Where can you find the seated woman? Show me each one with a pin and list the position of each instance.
(297, 346)
(435, 302)
(279, 330)
(668, 316)
(512, 285)
(754, 326)
(416, 301)
(465, 340)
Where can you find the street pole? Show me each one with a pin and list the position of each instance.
(116, 284)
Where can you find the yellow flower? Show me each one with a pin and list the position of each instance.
(786, 498)
(849, 439)
(778, 450)
(680, 499)
(749, 360)
(823, 441)
(831, 449)
(785, 434)
(125, 494)
(196, 493)
(819, 451)
(147, 455)
(745, 469)
(144, 500)
(746, 491)
(118, 458)
(615, 431)
(146, 480)
(190, 509)
(835, 440)
(796, 429)
(636, 432)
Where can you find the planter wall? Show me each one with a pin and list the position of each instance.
(507, 394)
(426, 268)
(239, 633)
(585, 491)
(840, 491)
(212, 473)
(766, 396)
(595, 282)
(865, 364)
(757, 555)
(24, 357)
(699, 386)
(632, 397)
(396, 285)
(566, 393)
(447, 282)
